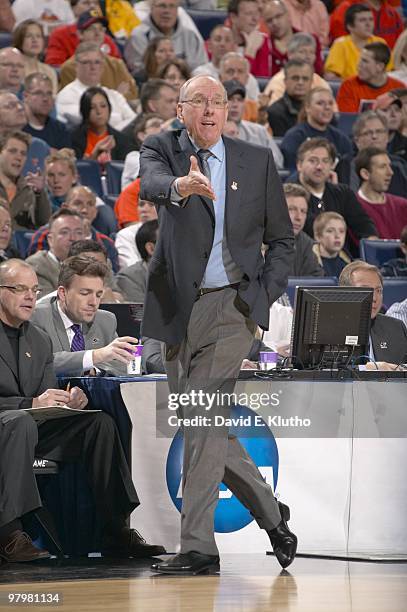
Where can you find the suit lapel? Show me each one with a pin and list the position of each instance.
(236, 175)
(182, 157)
(59, 327)
(6, 353)
(25, 364)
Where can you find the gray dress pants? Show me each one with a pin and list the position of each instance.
(218, 338)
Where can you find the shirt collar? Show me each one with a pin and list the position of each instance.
(217, 150)
(65, 319)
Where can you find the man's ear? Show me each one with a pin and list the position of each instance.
(61, 293)
(365, 174)
(180, 116)
(149, 246)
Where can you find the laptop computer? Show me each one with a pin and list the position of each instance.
(128, 316)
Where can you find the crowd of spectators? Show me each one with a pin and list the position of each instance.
(321, 84)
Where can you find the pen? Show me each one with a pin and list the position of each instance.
(68, 387)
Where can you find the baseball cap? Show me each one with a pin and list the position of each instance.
(234, 87)
(88, 18)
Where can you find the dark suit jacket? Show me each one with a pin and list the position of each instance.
(255, 212)
(389, 339)
(34, 373)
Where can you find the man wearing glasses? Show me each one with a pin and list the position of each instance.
(219, 199)
(164, 20)
(89, 63)
(27, 380)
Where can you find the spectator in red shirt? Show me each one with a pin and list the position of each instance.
(388, 23)
(389, 212)
(63, 41)
(371, 80)
(244, 17)
(277, 19)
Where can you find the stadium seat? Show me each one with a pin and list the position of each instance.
(110, 200)
(346, 121)
(205, 21)
(89, 174)
(262, 82)
(377, 252)
(308, 281)
(394, 290)
(21, 241)
(335, 85)
(5, 39)
(114, 177)
(284, 174)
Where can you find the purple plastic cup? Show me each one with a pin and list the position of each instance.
(268, 360)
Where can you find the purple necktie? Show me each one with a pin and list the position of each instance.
(78, 341)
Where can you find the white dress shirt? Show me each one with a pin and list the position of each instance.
(87, 363)
(67, 106)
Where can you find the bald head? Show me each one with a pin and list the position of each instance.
(11, 69)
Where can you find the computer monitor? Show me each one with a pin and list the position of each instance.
(331, 326)
(128, 316)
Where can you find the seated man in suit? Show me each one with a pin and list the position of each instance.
(65, 228)
(27, 381)
(388, 336)
(82, 336)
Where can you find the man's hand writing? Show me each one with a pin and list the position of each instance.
(52, 397)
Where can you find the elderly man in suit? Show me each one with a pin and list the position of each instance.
(83, 337)
(27, 380)
(208, 286)
(388, 336)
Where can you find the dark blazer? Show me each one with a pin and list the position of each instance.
(34, 373)
(389, 339)
(123, 143)
(256, 212)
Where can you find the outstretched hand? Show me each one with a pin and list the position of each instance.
(195, 182)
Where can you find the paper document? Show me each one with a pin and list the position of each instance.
(55, 412)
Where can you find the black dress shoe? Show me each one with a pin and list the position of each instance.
(283, 541)
(129, 543)
(19, 549)
(189, 563)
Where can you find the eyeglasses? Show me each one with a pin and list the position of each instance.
(372, 133)
(201, 102)
(21, 289)
(11, 65)
(162, 6)
(11, 105)
(42, 94)
(90, 62)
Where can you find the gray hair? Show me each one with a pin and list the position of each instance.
(361, 121)
(233, 55)
(86, 47)
(301, 39)
(8, 266)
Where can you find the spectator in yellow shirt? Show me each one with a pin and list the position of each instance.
(343, 56)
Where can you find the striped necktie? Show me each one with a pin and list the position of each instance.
(78, 341)
(204, 155)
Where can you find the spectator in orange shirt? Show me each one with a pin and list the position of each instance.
(388, 23)
(371, 80)
(126, 206)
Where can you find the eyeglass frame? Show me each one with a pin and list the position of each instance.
(20, 289)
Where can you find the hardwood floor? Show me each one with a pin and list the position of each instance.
(251, 583)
